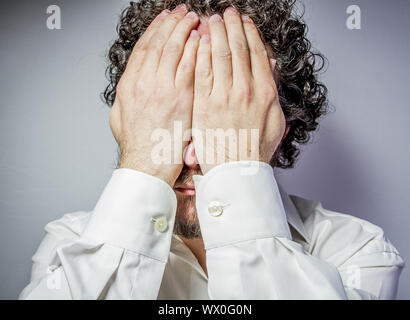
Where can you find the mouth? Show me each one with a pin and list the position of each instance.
(187, 190)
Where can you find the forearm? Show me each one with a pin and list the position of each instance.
(120, 254)
(250, 254)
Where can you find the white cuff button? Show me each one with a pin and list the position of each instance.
(160, 224)
(216, 209)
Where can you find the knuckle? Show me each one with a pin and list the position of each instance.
(141, 51)
(223, 54)
(259, 50)
(222, 97)
(174, 18)
(139, 86)
(186, 67)
(115, 121)
(204, 50)
(225, 100)
(186, 23)
(241, 47)
(268, 92)
(203, 73)
(123, 88)
(173, 48)
(140, 46)
(163, 91)
(140, 90)
(245, 91)
(159, 90)
(158, 41)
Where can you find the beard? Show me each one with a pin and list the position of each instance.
(186, 219)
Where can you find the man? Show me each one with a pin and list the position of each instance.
(221, 229)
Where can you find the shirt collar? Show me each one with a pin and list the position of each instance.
(292, 214)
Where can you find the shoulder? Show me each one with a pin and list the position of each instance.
(339, 237)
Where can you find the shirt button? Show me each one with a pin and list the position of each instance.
(160, 224)
(215, 208)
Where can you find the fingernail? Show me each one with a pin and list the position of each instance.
(205, 38)
(215, 18)
(181, 7)
(165, 12)
(194, 34)
(231, 11)
(246, 18)
(192, 15)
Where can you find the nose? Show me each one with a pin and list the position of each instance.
(190, 159)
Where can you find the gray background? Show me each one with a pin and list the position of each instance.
(57, 152)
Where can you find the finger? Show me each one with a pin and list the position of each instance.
(174, 48)
(160, 38)
(241, 65)
(203, 68)
(259, 57)
(139, 50)
(221, 53)
(186, 68)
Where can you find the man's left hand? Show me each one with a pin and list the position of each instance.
(235, 89)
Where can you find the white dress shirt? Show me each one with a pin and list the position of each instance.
(260, 244)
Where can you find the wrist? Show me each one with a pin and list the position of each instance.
(163, 172)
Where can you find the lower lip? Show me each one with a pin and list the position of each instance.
(187, 192)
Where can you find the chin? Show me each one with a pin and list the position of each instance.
(186, 206)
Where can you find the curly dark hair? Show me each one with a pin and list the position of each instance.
(302, 97)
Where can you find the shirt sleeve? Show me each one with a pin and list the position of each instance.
(120, 254)
(373, 272)
(249, 249)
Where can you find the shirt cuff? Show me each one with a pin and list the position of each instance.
(136, 211)
(239, 201)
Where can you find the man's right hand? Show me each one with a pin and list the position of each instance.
(156, 90)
